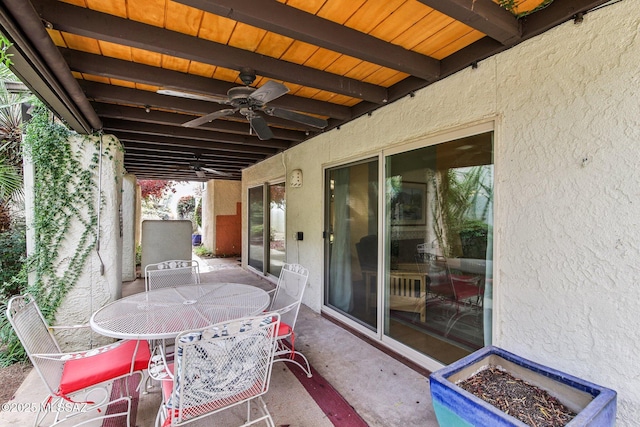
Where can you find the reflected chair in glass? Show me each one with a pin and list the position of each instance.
(463, 291)
(217, 368)
(83, 377)
(171, 273)
(286, 302)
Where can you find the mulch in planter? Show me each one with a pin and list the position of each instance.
(526, 402)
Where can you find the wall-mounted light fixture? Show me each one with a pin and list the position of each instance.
(295, 179)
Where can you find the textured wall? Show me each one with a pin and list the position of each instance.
(129, 228)
(95, 288)
(567, 190)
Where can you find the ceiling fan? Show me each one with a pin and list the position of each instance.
(249, 101)
(201, 170)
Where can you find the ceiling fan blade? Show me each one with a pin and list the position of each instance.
(269, 91)
(209, 117)
(297, 117)
(192, 95)
(260, 127)
(216, 172)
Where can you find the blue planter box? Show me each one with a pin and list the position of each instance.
(595, 405)
(196, 239)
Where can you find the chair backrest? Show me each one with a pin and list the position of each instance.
(171, 273)
(436, 270)
(36, 338)
(222, 365)
(289, 291)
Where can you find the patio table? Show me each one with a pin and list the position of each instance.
(164, 313)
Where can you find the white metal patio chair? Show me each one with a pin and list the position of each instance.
(286, 301)
(82, 378)
(166, 274)
(171, 273)
(217, 368)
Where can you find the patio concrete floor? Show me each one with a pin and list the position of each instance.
(380, 389)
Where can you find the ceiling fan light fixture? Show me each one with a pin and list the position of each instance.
(249, 102)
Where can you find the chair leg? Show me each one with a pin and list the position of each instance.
(63, 405)
(289, 356)
(262, 408)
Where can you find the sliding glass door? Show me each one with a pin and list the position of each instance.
(256, 227)
(424, 285)
(438, 233)
(267, 251)
(351, 241)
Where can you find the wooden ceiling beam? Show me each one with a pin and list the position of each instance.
(102, 26)
(99, 65)
(169, 150)
(300, 25)
(173, 174)
(139, 114)
(126, 136)
(197, 134)
(147, 160)
(556, 13)
(483, 15)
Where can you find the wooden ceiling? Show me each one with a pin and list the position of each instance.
(107, 64)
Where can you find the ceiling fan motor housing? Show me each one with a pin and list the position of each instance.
(247, 75)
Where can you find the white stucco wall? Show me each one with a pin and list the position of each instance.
(567, 191)
(129, 227)
(96, 286)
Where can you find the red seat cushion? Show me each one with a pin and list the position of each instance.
(465, 290)
(90, 370)
(283, 330)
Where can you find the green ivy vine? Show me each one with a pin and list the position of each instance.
(5, 57)
(65, 192)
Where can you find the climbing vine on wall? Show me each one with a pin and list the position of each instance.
(66, 191)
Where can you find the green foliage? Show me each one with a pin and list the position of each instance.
(197, 216)
(512, 6)
(65, 193)
(13, 251)
(464, 197)
(63, 190)
(138, 255)
(10, 181)
(155, 196)
(5, 58)
(202, 251)
(186, 207)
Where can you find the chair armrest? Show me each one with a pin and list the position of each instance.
(63, 357)
(62, 327)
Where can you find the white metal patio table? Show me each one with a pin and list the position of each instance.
(164, 313)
